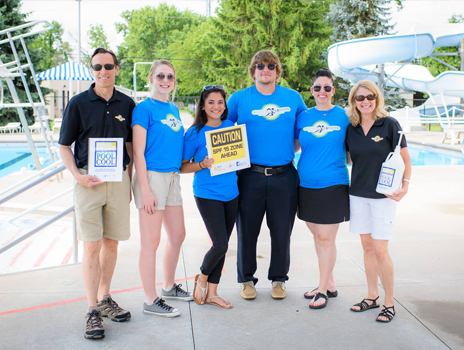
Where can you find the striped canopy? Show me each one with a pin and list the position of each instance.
(66, 71)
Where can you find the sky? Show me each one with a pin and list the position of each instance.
(107, 13)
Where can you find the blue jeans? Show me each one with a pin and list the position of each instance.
(219, 218)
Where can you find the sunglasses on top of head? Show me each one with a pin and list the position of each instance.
(370, 97)
(161, 76)
(209, 87)
(98, 67)
(270, 66)
(318, 88)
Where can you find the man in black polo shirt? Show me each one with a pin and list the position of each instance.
(102, 208)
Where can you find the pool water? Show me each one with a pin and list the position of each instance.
(13, 158)
(425, 156)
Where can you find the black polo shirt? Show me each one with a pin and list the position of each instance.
(369, 152)
(89, 115)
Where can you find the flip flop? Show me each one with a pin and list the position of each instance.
(200, 301)
(210, 301)
(330, 294)
(316, 298)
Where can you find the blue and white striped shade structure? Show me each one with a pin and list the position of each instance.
(66, 71)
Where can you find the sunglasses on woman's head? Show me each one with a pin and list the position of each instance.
(270, 66)
(98, 67)
(370, 97)
(318, 88)
(209, 87)
(161, 77)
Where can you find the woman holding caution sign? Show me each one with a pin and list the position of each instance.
(369, 140)
(216, 196)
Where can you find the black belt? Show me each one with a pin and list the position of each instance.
(271, 170)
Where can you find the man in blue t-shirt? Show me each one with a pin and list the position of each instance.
(270, 185)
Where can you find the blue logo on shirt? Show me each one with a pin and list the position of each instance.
(171, 121)
(321, 128)
(271, 111)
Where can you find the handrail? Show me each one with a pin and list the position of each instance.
(32, 184)
(38, 228)
(25, 35)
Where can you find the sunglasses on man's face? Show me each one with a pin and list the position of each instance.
(370, 97)
(161, 77)
(98, 67)
(318, 88)
(209, 87)
(270, 66)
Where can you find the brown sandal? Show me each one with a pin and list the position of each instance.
(210, 301)
(200, 301)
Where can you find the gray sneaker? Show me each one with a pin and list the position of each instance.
(109, 308)
(177, 293)
(160, 308)
(94, 326)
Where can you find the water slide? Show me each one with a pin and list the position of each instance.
(389, 58)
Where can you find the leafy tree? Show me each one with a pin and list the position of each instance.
(352, 19)
(224, 45)
(147, 33)
(54, 50)
(97, 38)
(11, 16)
(436, 67)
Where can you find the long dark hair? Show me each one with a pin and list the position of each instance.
(200, 116)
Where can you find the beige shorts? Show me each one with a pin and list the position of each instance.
(164, 186)
(103, 211)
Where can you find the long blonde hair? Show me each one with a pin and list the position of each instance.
(353, 113)
(152, 72)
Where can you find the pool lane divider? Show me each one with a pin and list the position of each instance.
(80, 299)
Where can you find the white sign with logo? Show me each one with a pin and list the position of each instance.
(106, 157)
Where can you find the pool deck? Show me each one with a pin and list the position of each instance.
(45, 309)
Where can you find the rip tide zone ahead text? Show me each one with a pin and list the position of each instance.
(227, 143)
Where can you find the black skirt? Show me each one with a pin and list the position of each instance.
(329, 205)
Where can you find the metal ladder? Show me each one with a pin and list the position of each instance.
(15, 69)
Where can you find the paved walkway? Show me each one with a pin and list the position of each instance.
(45, 309)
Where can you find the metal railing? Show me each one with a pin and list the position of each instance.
(29, 183)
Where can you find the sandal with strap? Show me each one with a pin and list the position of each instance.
(316, 298)
(363, 306)
(200, 301)
(387, 314)
(310, 295)
(210, 301)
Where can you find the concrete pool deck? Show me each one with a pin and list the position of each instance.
(45, 309)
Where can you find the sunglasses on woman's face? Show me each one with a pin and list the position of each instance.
(370, 97)
(270, 66)
(161, 76)
(209, 87)
(98, 67)
(318, 88)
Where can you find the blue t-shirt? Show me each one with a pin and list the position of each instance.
(270, 122)
(323, 152)
(165, 134)
(220, 187)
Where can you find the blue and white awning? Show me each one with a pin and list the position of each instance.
(66, 71)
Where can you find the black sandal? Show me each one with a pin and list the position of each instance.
(387, 314)
(329, 294)
(363, 306)
(316, 298)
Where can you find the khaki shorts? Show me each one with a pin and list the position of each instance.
(103, 211)
(164, 186)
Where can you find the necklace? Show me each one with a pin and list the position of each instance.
(324, 113)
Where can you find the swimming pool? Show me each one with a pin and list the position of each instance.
(14, 157)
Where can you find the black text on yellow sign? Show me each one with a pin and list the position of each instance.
(227, 145)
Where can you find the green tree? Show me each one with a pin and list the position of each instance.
(97, 38)
(436, 67)
(54, 50)
(147, 33)
(224, 45)
(11, 16)
(352, 19)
